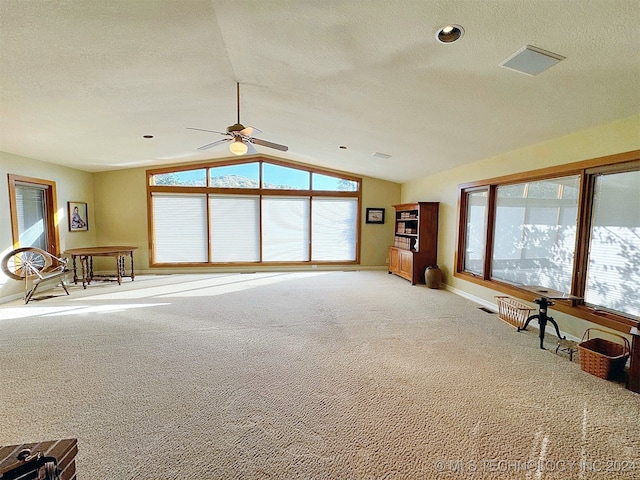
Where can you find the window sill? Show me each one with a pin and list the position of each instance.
(610, 320)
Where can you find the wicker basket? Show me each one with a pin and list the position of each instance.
(512, 311)
(603, 358)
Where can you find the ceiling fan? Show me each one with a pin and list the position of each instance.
(239, 137)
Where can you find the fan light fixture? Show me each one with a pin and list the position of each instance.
(238, 147)
(450, 33)
(239, 137)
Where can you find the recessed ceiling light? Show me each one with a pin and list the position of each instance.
(342, 147)
(450, 33)
(147, 136)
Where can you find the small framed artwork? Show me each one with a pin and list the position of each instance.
(375, 215)
(77, 212)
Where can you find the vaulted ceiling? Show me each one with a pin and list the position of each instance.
(82, 81)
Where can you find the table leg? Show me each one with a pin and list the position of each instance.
(84, 262)
(90, 270)
(542, 318)
(75, 276)
(133, 275)
(526, 324)
(550, 319)
(119, 262)
(542, 323)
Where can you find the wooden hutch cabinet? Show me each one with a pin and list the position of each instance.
(416, 240)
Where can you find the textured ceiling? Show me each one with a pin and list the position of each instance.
(83, 80)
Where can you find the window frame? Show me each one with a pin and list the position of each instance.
(51, 210)
(260, 192)
(587, 170)
(464, 202)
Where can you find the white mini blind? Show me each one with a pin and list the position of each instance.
(285, 229)
(179, 228)
(613, 276)
(333, 229)
(30, 207)
(475, 239)
(235, 228)
(534, 233)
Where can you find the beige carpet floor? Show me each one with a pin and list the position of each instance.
(341, 375)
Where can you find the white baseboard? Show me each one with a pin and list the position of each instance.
(491, 306)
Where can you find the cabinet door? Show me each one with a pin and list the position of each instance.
(394, 260)
(406, 265)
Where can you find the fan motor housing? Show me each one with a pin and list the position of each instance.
(235, 128)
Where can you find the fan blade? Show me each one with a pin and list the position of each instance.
(203, 130)
(264, 143)
(213, 144)
(248, 131)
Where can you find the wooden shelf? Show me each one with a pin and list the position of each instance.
(412, 253)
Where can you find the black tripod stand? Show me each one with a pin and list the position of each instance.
(542, 318)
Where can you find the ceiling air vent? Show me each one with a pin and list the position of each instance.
(383, 156)
(531, 60)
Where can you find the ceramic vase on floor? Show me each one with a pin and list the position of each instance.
(433, 277)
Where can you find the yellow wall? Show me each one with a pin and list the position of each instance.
(616, 137)
(118, 207)
(117, 213)
(121, 207)
(376, 238)
(121, 210)
(71, 185)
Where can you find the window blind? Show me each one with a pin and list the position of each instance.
(285, 229)
(180, 228)
(235, 228)
(30, 209)
(534, 237)
(475, 234)
(333, 228)
(613, 275)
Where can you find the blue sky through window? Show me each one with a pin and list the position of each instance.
(247, 175)
(244, 175)
(275, 176)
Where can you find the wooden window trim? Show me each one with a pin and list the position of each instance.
(251, 159)
(51, 200)
(208, 190)
(587, 169)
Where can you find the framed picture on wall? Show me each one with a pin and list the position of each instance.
(375, 215)
(77, 214)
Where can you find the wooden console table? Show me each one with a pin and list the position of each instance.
(86, 255)
(23, 461)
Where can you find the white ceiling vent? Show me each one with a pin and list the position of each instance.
(531, 60)
(383, 156)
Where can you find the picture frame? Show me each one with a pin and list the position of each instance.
(375, 215)
(78, 216)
